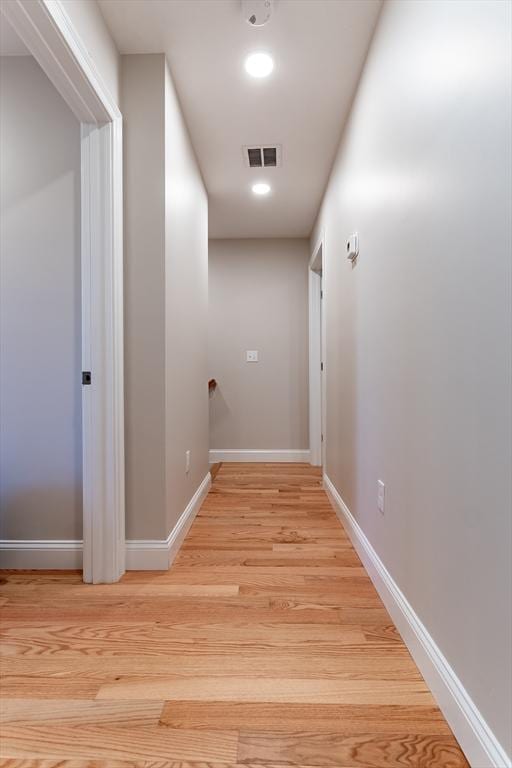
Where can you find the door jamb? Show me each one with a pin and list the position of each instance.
(316, 347)
(50, 36)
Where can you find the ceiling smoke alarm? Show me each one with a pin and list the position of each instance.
(257, 12)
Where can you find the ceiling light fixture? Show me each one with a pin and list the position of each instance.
(259, 64)
(261, 189)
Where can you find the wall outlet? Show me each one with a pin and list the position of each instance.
(251, 356)
(381, 496)
(187, 462)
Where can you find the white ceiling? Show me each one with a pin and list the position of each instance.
(10, 43)
(318, 47)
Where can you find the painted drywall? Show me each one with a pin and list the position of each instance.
(166, 283)
(143, 107)
(40, 312)
(258, 301)
(206, 43)
(86, 17)
(418, 331)
(186, 292)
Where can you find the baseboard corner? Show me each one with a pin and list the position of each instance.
(158, 555)
(141, 554)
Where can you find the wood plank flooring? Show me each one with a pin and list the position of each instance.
(264, 646)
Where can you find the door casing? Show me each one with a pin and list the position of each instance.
(50, 36)
(317, 354)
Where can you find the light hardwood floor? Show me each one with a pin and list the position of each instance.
(265, 646)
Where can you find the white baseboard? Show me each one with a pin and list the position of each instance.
(292, 455)
(478, 742)
(146, 555)
(41, 555)
(141, 555)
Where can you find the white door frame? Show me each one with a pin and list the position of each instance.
(317, 305)
(47, 31)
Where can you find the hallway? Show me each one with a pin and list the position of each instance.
(264, 645)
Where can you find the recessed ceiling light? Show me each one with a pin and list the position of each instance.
(259, 64)
(261, 189)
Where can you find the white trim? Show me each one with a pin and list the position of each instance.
(249, 455)
(479, 743)
(102, 352)
(144, 555)
(141, 555)
(315, 377)
(48, 33)
(316, 334)
(44, 554)
(147, 554)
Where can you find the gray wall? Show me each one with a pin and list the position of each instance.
(186, 290)
(166, 273)
(418, 332)
(40, 314)
(258, 301)
(143, 107)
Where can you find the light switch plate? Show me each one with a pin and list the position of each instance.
(251, 356)
(381, 496)
(353, 247)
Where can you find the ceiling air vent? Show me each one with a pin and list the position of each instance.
(270, 156)
(266, 156)
(254, 157)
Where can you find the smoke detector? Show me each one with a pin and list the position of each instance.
(257, 12)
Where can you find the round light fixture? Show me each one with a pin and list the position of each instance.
(261, 188)
(259, 64)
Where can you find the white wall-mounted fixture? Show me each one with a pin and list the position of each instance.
(353, 247)
(257, 12)
(259, 64)
(261, 189)
(381, 496)
(251, 356)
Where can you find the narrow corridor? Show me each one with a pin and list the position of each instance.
(265, 645)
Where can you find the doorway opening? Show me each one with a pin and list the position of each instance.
(317, 356)
(50, 36)
(40, 319)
